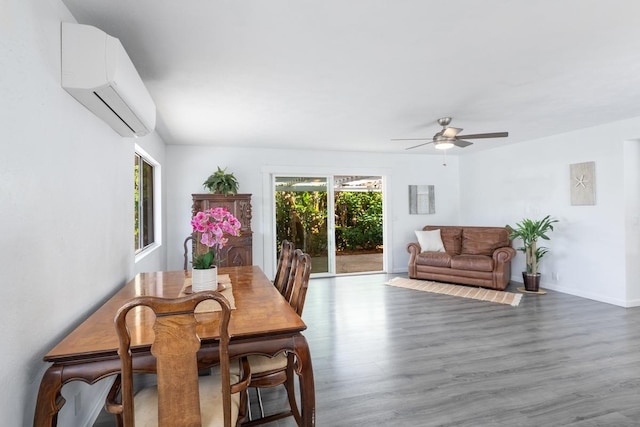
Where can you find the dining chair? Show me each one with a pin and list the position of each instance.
(183, 396)
(284, 267)
(188, 243)
(266, 371)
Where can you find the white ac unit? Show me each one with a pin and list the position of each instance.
(97, 71)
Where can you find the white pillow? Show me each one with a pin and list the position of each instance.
(430, 241)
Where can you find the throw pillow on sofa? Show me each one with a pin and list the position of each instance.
(430, 241)
(451, 238)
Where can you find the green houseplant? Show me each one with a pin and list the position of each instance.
(529, 231)
(221, 182)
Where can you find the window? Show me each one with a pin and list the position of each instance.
(144, 190)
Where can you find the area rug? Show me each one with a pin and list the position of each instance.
(481, 294)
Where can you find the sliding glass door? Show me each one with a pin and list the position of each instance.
(338, 220)
(358, 227)
(302, 206)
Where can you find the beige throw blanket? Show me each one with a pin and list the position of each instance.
(223, 281)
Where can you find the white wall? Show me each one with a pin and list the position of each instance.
(189, 166)
(588, 246)
(66, 202)
(632, 220)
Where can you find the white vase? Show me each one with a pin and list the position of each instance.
(204, 279)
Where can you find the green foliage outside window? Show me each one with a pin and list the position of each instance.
(302, 219)
(136, 201)
(358, 220)
(143, 202)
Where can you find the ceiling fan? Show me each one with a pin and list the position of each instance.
(448, 137)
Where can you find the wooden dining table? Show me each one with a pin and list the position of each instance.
(262, 323)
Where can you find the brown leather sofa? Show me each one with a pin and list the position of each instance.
(479, 256)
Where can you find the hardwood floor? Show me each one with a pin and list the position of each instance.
(387, 356)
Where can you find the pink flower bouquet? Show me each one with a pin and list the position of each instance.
(213, 224)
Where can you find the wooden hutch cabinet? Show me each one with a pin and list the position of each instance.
(239, 248)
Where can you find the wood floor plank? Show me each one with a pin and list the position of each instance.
(387, 356)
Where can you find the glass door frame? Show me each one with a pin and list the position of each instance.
(269, 215)
(331, 245)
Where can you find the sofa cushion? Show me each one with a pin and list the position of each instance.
(451, 238)
(434, 259)
(472, 262)
(483, 241)
(430, 241)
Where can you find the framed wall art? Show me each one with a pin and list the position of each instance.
(583, 183)
(422, 199)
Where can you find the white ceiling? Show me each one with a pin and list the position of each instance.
(352, 74)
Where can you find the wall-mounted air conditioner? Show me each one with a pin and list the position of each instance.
(97, 71)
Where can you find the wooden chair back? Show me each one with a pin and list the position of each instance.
(175, 347)
(188, 243)
(284, 267)
(272, 371)
(299, 281)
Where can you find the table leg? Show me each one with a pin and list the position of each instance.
(304, 369)
(50, 401)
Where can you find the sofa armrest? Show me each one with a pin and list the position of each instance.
(502, 267)
(502, 255)
(414, 249)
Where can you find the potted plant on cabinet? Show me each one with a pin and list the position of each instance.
(529, 231)
(221, 182)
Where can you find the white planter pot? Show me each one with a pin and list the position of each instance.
(204, 280)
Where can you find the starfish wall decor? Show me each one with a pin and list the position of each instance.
(582, 177)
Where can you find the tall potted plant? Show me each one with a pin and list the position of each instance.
(529, 231)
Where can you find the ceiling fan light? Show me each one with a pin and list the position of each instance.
(444, 145)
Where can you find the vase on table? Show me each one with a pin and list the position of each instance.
(205, 279)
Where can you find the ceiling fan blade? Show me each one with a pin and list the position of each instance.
(461, 143)
(485, 135)
(419, 145)
(410, 139)
(451, 132)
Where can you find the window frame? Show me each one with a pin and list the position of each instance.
(156, 197)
